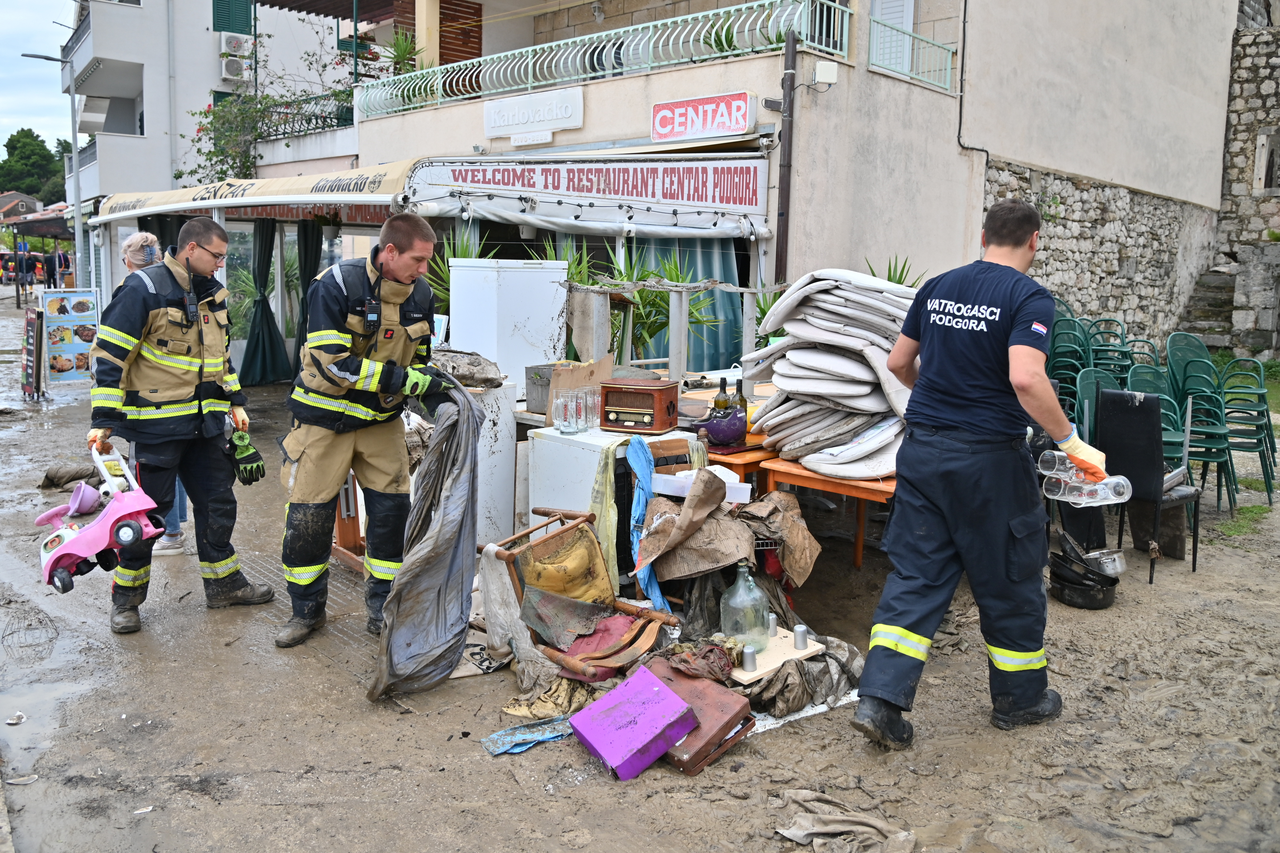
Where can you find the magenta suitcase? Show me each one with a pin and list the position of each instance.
(634, 724)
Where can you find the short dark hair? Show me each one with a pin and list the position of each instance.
(1011, 222)
(199, 230)
(405, 229)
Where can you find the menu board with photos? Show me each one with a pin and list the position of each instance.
(32, 336)
(70, 325)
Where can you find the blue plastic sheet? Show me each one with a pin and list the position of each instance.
(641, 460)
(519, 738)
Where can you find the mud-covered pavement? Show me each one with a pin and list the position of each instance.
(1168, 740)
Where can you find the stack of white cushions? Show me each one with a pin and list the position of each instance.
(838, 408)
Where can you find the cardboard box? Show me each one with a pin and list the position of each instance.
(634, 724)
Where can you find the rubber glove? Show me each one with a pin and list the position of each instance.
(425, 380)
(239, 418)
(98, 436)
(1091, 461)
(250, 468)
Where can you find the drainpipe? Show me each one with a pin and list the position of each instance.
(783, 227)
(173, 104)
(964, 50)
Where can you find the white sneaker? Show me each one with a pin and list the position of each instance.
(166, 546)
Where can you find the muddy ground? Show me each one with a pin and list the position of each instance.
(1168, 741)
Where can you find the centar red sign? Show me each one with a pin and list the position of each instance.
(700, 118)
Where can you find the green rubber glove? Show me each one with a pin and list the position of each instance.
(426, 380)
(250, 468)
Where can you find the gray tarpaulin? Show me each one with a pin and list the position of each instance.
(429, 605)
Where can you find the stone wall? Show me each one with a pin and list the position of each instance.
(1249, 209)
(1109, 251)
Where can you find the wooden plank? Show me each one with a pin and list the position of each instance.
(461, 31)
(781, 649)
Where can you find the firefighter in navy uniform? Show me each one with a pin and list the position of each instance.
(367, 347)
(163, 380)
(967, 497)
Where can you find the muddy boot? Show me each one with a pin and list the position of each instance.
(235, 589)
(296, 630)
(881, 721)
(125, 619)
(309, 602)
(376, 591)
(1048, 708)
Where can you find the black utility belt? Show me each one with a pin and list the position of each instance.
(977, 443)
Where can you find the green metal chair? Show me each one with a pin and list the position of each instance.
(1210, 443)
(1147, 379)
(1144, 351)
(1087, 384)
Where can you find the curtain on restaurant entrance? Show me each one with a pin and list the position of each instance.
(310, 245)
(715, 347)
(265, 359)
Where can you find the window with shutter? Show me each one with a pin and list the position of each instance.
(233, 16)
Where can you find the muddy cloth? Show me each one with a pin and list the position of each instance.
(607, 632)
(822, 679)
(429, 605)
(707, 660)
(65, 475)
(777, 516)
(564, 696)
(208, 474)
(833, 827)
(507, 635)
(561, 620)
(519, 738)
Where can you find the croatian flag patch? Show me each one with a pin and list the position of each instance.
(1039, 328)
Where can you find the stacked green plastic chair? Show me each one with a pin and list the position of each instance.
(1087, 384)
(1210, 443)
(1109, 348)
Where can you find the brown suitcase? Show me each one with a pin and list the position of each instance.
(724, 718)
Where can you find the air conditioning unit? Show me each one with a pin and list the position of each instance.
(237, 44)
(236, 68)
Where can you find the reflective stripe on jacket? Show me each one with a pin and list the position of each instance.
(351, 373)
(158, 375)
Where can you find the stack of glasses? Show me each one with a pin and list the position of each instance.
(577, 410)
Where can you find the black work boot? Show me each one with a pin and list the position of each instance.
(1048, 708)
(376, 591)
(125, 619)
(881, 721)
(235, 589)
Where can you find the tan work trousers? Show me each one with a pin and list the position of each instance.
(317, 461)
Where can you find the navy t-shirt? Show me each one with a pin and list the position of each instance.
(965, 321)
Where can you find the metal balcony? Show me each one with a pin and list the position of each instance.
(759, 27)
(308, 115)
(903, 52)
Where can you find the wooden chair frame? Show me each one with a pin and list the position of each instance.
(638, 639)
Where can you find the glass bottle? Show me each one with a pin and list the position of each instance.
(738, 400)
(721, 401)
(744, 611)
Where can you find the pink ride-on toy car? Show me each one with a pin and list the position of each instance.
(128, 517)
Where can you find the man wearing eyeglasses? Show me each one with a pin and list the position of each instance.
(163, 380)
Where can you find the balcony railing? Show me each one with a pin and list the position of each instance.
(757, 27)
(903, 52)
(88, 155)
(79, 35)
(308, 115)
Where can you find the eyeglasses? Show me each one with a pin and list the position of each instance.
(217, 257)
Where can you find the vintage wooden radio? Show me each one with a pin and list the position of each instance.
(647, 406)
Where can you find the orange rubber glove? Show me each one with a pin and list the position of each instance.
(1091, 461)
(99, 437)
(239, 418)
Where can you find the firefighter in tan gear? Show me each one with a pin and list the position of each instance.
(367, 347)
(163, 380)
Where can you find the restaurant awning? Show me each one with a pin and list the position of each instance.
(371, 185)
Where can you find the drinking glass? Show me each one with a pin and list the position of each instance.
(590, 407)
(558, 411)
(577, 406)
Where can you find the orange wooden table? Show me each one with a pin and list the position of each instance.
(778, 471)
(744, 463)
